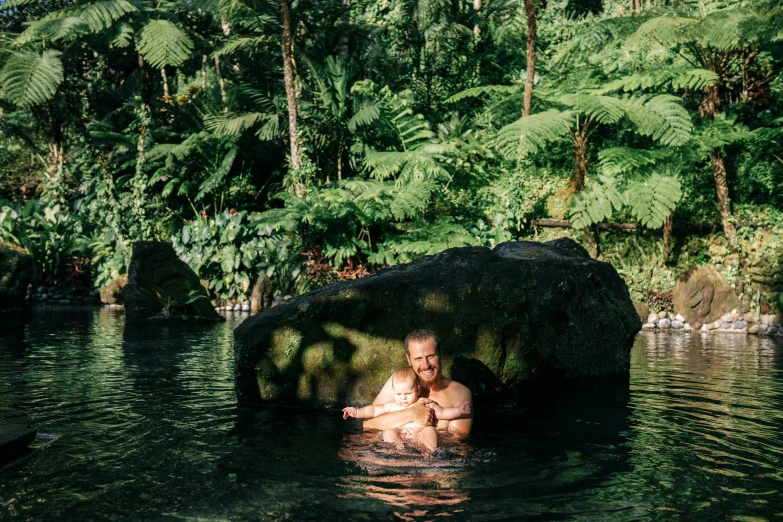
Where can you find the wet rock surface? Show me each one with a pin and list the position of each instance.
(702, 296)
(16, 272)
(163, 286)
(521, 311)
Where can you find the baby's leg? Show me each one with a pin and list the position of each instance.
(392, 436)
(428, 437)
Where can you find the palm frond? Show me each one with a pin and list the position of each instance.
(217, 177)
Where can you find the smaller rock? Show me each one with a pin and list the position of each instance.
(652, 318)
(44, 297)
(772, 329)
(687, 327)
(763, 328)
(714, 325)
(704, 328)
(680, 318)
(57, 296)
(670, 316)
(245, 307)
(725, 325)
(754, 329)
(41, 289)
(775, 320)
(648, 325)
(678, 324)
(729, 317)
(64, 301)
(738, 325)
(287, 297)
(751, 317)
(237, 307)
(664, 323)
(246, 302)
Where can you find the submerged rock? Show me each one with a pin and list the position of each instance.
(16, 272)
(160, 284)
(521, 311)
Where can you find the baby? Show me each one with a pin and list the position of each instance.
(406, 394)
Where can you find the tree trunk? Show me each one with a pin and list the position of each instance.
(166, 97)
(288, 79)
(668, 224)
(220, 81)
(204, 72)
(532, 33)
(724, 205)
(580, 162)
(590, 243)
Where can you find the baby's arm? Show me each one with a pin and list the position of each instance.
(450, 413)
(367, 412)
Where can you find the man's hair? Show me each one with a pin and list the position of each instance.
(420, 336)
(404, 374)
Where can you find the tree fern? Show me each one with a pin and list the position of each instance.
(532, 133)
(483, 91)
(31, 79)
(679, 77)
(667, 31)
(652, 201)
(595, 204)
(620, 160)
(603, 109)
(661, 117)
(163, 43)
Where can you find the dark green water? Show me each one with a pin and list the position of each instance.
(150, 430)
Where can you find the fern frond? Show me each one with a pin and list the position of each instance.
(245, 43)
(661, 117)
(667, 31)
(477, 92)
(652, 201)
(619, 160)
(217, 177)
(686, 78)
(728, 29)
(533, 132)
(163, 43)
(603, 109)
(364, 116)
(31, 79)
(102, 14)
(595, 204)
(595, 36)
(233, 125)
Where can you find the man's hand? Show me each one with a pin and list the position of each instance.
(350, 411)
(421, 413)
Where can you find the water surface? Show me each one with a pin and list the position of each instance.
(149, 428)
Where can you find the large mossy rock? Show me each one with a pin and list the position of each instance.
(521, 310)
(702, 296)
(161, 285)
(16, 272)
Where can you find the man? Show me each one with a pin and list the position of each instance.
(421, 350)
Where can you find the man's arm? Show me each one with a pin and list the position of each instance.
(418, 413)
(465, 422)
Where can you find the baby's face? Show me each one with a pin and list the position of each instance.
(406, 393)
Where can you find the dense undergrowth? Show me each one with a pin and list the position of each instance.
(123, 120)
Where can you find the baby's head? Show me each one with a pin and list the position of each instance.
(405, 386)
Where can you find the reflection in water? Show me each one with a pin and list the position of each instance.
(151, 429)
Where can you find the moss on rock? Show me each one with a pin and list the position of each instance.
(519, 309)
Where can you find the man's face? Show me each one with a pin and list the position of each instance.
(423, 358)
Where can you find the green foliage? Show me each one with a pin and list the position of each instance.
(596, 203)
(163, 43)
(653, 200)
(29, 78)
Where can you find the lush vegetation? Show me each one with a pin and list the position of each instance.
(314, 141)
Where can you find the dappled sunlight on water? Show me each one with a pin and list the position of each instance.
(150, 429)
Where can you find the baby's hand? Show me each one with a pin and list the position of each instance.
(465, 408)
(350, 411)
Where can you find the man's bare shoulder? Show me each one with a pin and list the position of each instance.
(459, 391)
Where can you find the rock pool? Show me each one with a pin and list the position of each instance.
(148, 427)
